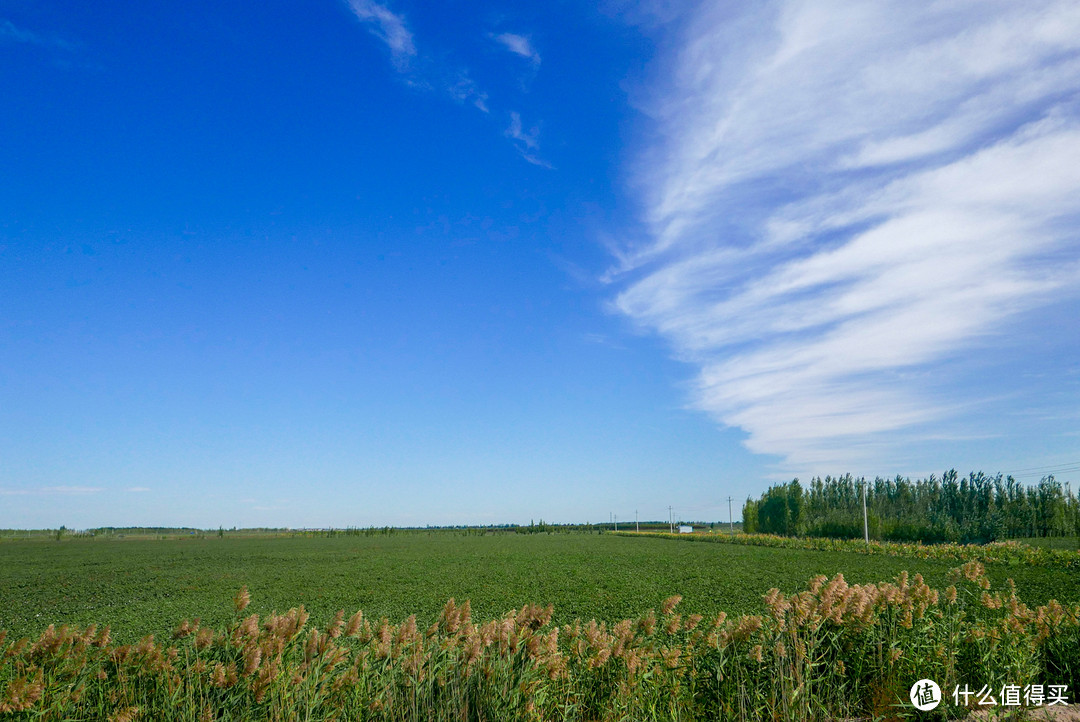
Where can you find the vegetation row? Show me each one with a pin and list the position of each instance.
(1004, 552)
(974, 509)
(831, 651)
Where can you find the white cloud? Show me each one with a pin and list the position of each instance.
(526, 141)
(420, 72)
(52, 490)
(388, 27)
(138, 489)
(848, 193)
(529, 138)
(464, 90)
(519, 45)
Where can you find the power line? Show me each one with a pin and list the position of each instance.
(1044, 474)
(1074, 464)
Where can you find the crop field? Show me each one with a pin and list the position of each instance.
(668, 630)
(142, 587)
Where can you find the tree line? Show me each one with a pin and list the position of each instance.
(973, 509)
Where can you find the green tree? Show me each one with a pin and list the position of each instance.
(795, 507)
(750, 517)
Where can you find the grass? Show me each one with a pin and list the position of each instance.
(146, 586)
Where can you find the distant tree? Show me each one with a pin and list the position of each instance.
(974, 508)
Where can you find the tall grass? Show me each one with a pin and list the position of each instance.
(831, 651)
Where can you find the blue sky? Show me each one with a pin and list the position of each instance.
(411, 264)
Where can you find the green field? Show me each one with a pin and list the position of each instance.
(147, 586)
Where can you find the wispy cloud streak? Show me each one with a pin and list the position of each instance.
(519, 45)
(11, 32)
(66, 490)
(417, 70)
(526, 141)
(847, 192)
(516, 131)
(388, 27)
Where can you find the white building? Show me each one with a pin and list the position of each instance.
(683, 529)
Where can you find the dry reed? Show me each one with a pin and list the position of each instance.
(834, 650)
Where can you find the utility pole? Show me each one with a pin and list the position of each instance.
(616, 522)
(730, 518)
(637, 527)
(865, 523)
(670, 521)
